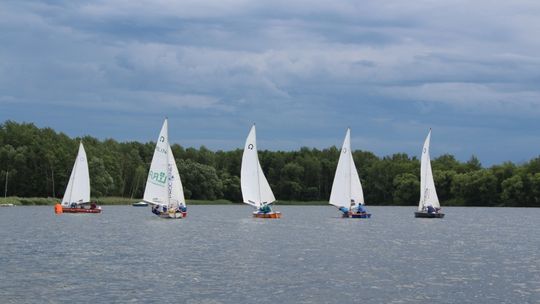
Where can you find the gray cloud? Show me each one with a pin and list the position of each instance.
(389, 69)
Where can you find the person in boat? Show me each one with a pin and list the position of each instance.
(155, 209)
(430, 209)
(362, 209)
(182, 208)
(345, 210)
(93, 205)
(265, 209)
(73, 205)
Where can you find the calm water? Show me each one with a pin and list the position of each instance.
(219, 254)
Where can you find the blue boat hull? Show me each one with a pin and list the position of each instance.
(364, 215)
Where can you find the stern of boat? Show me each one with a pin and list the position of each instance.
(274, 214)
(172, 215)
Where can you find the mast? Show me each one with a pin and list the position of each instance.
(349, 184)
(169, 169)
(259, 163)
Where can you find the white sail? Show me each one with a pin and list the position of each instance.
(175, 190)
(78, 188)
(428, 195)
(163, 186)
(157, 190)
(346, 185)
(255, 188)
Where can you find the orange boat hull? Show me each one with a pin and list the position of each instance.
(80, 210)
(267, 215)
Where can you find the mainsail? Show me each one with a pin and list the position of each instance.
(163, 186)
(255, 188)
(428, 195)
(346, 185)
(78, 188)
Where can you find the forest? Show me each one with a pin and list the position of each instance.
(38, 162)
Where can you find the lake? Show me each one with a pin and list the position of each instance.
(220, 254)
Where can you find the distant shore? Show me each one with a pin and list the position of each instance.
(111, 200)
(45, 201)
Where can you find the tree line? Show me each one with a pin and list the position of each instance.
(38, 162)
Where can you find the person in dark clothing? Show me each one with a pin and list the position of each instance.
(430, 209)
(265, 209)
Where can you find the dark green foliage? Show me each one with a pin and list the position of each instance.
(406, 189)
(39, 162)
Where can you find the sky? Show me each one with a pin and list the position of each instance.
(302, 70)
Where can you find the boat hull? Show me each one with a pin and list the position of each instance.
(356, 215)
(273, 214)
(140, 204)
(172, 215)
(80, 210)
(361, 215)
(428, 215)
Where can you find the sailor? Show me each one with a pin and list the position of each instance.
(430, 209)
(182, 208)
(345, 210)
(362, 209)
(93, 205)
(265, 209)
(73, 205)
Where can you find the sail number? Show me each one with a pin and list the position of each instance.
(159, 177)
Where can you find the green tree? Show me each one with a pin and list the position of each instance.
(513, 191)
(477, 188)
(406, 189)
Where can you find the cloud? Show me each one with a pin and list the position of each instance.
(389, 69)
(470, 96)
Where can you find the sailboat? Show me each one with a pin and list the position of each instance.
(429, 206)
(255, 188)
(347, 194)
(163, 189)
(77, 194)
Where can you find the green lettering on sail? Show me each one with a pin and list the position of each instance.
(157, 177)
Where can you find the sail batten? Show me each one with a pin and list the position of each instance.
(256, 190)
(78, 188)
(346, 185)
(428, 194)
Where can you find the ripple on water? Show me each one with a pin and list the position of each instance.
(219, 254)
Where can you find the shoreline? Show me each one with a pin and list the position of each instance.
(112, 201)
